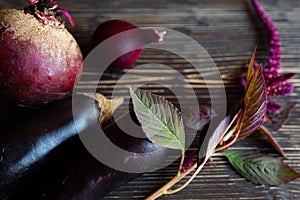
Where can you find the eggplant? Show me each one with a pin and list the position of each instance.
(12, 113)
(6, 111)
(45, 159)
(90, 179)
(24, 147)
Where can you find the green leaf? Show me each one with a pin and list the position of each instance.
(254, 105)
(160, 119)
(281, 118)
(261, 169)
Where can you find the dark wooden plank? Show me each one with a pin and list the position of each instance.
(228, 31)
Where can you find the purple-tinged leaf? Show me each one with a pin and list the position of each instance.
(199, 116)
(271, 139)
(160, 119)
(278, 120)
(261, 169)
(211, 141)
(250, 68)
(254, 105)
(218, 134)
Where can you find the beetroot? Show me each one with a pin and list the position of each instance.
(40, 60)
(113, 27)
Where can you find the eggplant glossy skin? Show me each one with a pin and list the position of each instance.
(72, 173)
(89, 179)
(66, 170)
(6, 112)
(25, 150)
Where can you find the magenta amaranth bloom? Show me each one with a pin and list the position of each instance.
(275, 46)
(188, 161)
(276, 84)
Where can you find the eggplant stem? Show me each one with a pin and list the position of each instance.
(106, 106)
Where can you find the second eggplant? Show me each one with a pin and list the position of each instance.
(44, 158)
(25, 147)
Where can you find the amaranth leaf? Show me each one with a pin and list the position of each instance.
(218, 134)
(199, 116)
(280, 118)
(211, 141)
(261, 169)
(271, 139)
(254, 105)
(250, 68)
(160, 119)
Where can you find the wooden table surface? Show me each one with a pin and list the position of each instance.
(228, 30)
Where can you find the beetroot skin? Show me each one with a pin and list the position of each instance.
(113, 27)
(40, 61)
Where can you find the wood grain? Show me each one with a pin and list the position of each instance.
(229, 31)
